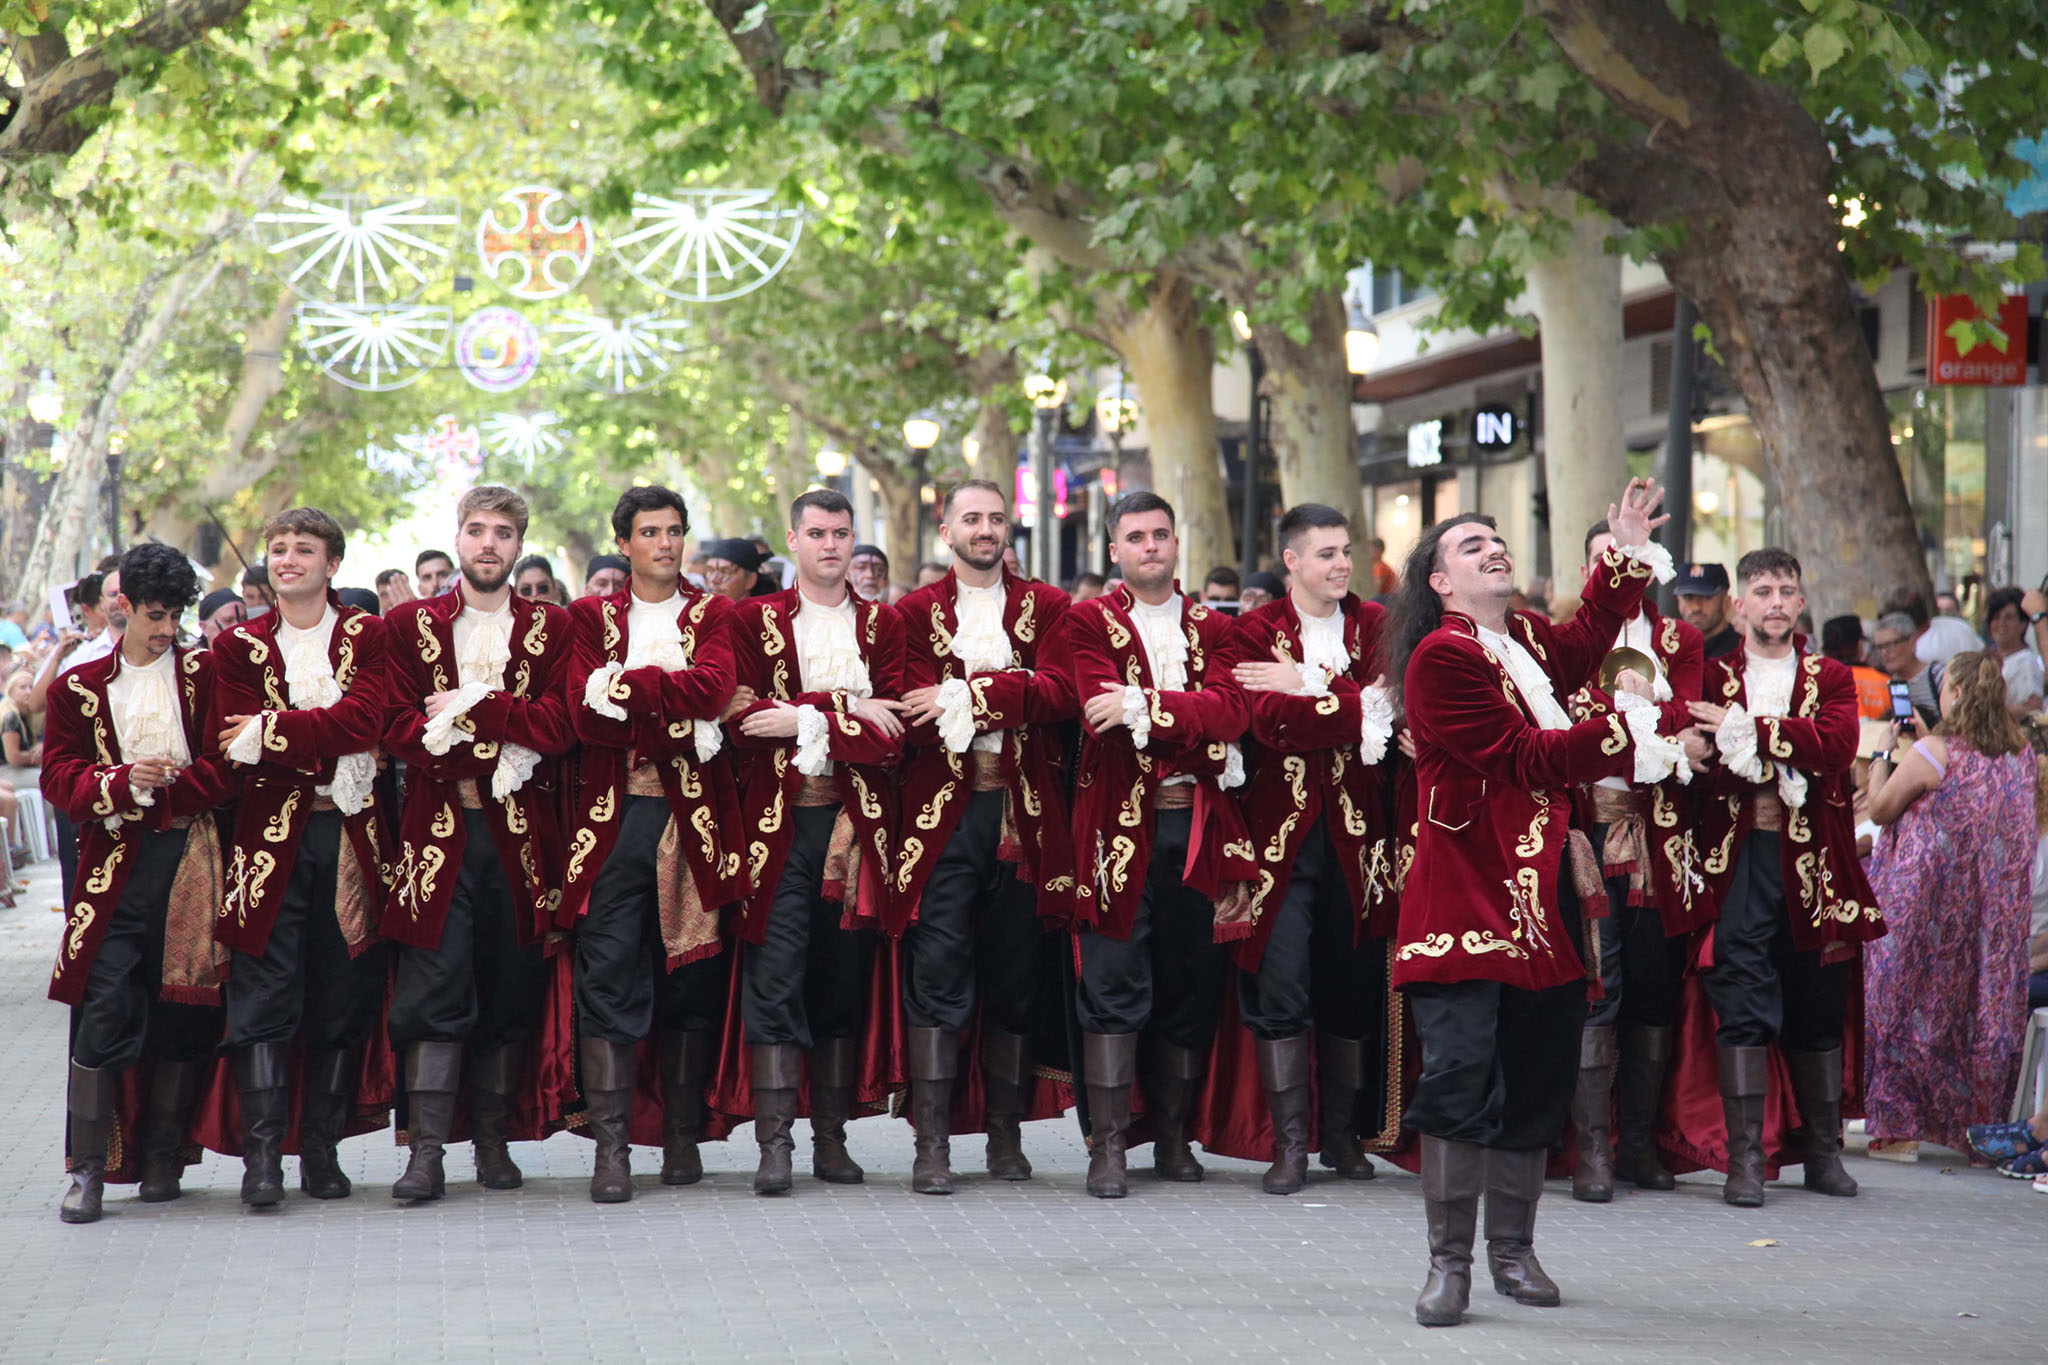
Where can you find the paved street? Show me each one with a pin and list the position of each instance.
(1935, 1262)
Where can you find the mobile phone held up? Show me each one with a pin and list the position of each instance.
(1902, 703)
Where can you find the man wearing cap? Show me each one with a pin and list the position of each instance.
(1259, 589)
(870, 573)
(1656, 898)
(1702, 592)
(732, 568)
(219, 610)
(606, 576)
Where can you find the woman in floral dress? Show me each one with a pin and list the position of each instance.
(1946, 991)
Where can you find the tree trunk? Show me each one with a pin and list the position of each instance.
(996, 459)
(62, 532)
(23, 491)
(1309, 388)
(1171, 355)
(901, 513)
(1577, 296)
(1760, 258)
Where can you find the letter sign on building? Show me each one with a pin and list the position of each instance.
(1494, 426)
(1956, 356)
(1425, 444)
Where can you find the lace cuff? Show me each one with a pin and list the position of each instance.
(595, 688)
(440, 733)
(1791, 786)
(355, 776)
(1653, 557)
(1736, 739)
(248, 745)
(956, 715)
(1376, 724)
(1137, 716)
(1657, 756)
(516, 763)
(1233, 768)
(813, 741)
(709, 737)
(1315, 680)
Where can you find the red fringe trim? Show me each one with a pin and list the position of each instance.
(190, 995)
(697, 954)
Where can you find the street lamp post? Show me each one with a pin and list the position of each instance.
(1048, 396)
(920, 434)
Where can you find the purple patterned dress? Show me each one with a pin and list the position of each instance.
(1945, 992)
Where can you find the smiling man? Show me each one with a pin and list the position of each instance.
(299, 708)
(1319, 813)
(1491, 913)
(476, 714)
(126, 758)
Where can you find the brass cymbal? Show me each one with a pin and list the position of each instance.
(1623, 657)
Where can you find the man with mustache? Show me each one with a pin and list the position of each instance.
(1793, 899)
(647, 869)
(1156, 838)
(820, 669)
(983, 858)
(1491, 912)
(477, 717)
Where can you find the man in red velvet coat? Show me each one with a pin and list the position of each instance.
(126, 758)
(648, 870)
(1656, 900)
(299, 708)
(985, 856)
(1156, 838)
(1318, 809)
(477, 717)
(1781, 841)
(1492, 906)
(820, 668)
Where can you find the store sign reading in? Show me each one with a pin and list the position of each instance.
(1494, 427)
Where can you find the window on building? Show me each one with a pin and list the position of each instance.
(1386, 290)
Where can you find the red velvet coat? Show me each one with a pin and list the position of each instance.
(531, 711)
(765, 639)
(1494, 792)
(1676, 885)
(662, 710)
(1304, 766)
(298, 755)
(85, 775)
(1024, 702)
(1826, 894)
(1113, 816)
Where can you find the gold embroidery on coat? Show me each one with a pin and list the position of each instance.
(279, 827)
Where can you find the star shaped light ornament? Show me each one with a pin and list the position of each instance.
(618, 355)
(344, 249)
(375, 348)
(704, 246)
(524, 436)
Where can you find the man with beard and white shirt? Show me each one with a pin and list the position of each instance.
(477, 716)
(984, 857)
(1781, 859)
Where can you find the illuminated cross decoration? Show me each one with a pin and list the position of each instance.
(459, 447)
(548, 245)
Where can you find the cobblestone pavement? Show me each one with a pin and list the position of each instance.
(1935, 1262)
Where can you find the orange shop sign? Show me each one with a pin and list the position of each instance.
(1957, 352)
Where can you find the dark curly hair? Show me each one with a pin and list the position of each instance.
(646, 497)
(160, 576)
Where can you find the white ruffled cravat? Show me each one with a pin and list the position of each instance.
(483, 649)
(828, 660)
(1768, 684)
(1529, 678)
(148, 721)
(654, 640)
(310, 685)
(982, 646)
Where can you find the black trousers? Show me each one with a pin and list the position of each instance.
(304, 975)
(623, 985)
(1763, 989)
(1168, 975)
(67, 853)
(1642, 969)
(1316, 969)
(1499, 1064)
(806, 982)
(121, 1017)
(977, 933)
(481, 986)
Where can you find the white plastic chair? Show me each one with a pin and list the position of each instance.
(34, 819)
(2033, 1067)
